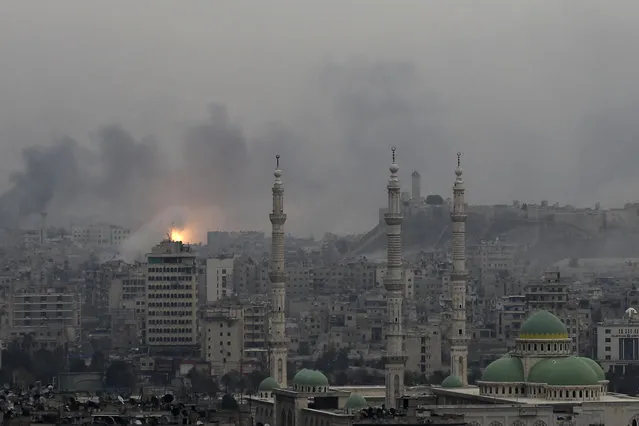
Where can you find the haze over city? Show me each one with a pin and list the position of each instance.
(140, 107)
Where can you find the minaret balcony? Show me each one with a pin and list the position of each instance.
(277, 218)
(393, 218)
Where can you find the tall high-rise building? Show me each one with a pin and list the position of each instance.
(458, 334)
(278, 344)
(171, 298)
(394, 358)
(416, 186)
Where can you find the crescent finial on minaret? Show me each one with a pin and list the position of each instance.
(393, 149)
(277, 160)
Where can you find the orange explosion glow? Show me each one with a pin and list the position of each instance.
(179, 235)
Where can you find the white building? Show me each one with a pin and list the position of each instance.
(219, 278)
(99, 234)
(171, 296)
(618, 343)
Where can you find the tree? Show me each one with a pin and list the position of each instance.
(229, 403)
(98, 361)
(47, 364)
(120, 375)
(233, 381)
(202, 383)
(77, 365)
(475, 374)
(254, 379)
(436, 378)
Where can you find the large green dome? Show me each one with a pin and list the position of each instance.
(268, 384)
(506, 369)
(569, 371)
(595, 367)
(311, 378)
(543, 325)
(452, 382)
(356, 402)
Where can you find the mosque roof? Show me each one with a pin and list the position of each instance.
(601, 375)
(568, 371)
(506, 369)
(452, 382)
(543, 325)
(306, 377)
(355, 402)
(268, 384)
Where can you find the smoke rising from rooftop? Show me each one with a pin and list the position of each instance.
(113, 124)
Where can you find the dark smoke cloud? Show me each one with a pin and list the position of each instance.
(118, 178)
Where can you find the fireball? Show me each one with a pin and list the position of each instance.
(178, 235)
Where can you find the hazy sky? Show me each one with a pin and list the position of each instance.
(540, 95)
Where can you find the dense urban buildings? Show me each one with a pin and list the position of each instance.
(470, 314)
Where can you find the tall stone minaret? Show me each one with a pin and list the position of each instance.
(458, 336)
(278, 345)
(394, 283)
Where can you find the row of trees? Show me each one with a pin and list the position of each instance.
(20, 365)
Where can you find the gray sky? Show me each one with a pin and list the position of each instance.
(540, 95)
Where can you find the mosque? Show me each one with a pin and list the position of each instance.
(539, 383)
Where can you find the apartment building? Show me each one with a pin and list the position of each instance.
(50, 315)
(219, 278)
(234, 336)
(171, 298)
(423, 346)
(99, 234)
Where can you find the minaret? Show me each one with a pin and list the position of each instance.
(458, 336)
(393, 282)
(278, 345)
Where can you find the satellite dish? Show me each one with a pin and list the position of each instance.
(630, 312)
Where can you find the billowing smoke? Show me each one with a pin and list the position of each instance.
(117, 178)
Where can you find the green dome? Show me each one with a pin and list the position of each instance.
(306, 377)
(569, 371)
(505, 369)
(452, 382)
(543, 325)
(268, 384)
(356, 402)
(595, 367)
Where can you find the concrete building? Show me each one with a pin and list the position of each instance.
(423, 346)
(416, 186)
(223, 338)
(171, 298)
(51, 316)
(219, 278)
(99, 234)
(617, 342)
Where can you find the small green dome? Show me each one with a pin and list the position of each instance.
(268, 384)
(356, 402)
(452, 382)
(506, 369)
(595, 367)
(569, 371)
(543, 325)
(306, 377)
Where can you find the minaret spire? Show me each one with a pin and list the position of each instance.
(393, 282)
(458, 335)
(278, 344)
